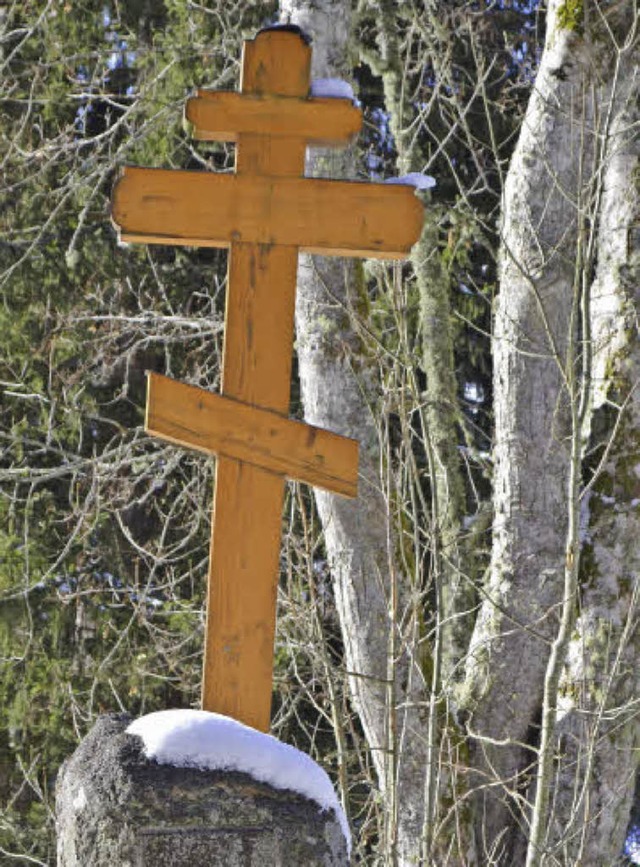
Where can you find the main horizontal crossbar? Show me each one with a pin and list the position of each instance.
(222, 116)
(210, 423)
(203, 209)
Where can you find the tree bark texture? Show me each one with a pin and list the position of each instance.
(598, 731)
(564, 347)
(534, 322)
(378, 608)
(551, 204)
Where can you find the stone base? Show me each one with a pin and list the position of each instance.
(116, 808)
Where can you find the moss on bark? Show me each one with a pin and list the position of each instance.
(570, 15)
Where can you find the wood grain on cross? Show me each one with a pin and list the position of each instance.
(265, 213)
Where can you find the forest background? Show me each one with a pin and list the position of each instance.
(459, 647)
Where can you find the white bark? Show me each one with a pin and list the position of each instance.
(599, 728)
(533, 326)
(341, 391)
(552, 203)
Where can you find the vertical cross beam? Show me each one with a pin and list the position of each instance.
(258, 340)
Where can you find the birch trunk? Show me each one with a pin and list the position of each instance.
(547, 329)
(599, 732)
(534, 324)
(379, 614)
(551, 205)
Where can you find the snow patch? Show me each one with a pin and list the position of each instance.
(414, 179)
(210, 741)
(80, 800)
(473, 392)
(332, 88)
(565, 704)
(632, 844)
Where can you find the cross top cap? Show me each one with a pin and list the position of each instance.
(287, 28)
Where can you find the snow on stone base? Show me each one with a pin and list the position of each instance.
(210, 741)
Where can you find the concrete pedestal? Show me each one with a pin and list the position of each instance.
(116, 808)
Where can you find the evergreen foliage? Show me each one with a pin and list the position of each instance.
(103, 535)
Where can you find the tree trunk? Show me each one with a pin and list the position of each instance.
(533, 329)
(341, 390)
(541, 382)
(554, 200)
(599, 733)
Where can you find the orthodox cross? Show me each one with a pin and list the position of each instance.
(265, 213)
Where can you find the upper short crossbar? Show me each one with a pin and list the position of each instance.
(222, 116)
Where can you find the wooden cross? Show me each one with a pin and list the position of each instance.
(265, 213)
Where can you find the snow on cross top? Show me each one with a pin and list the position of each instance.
(210, 741)
(332, 88)
(414, 179)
